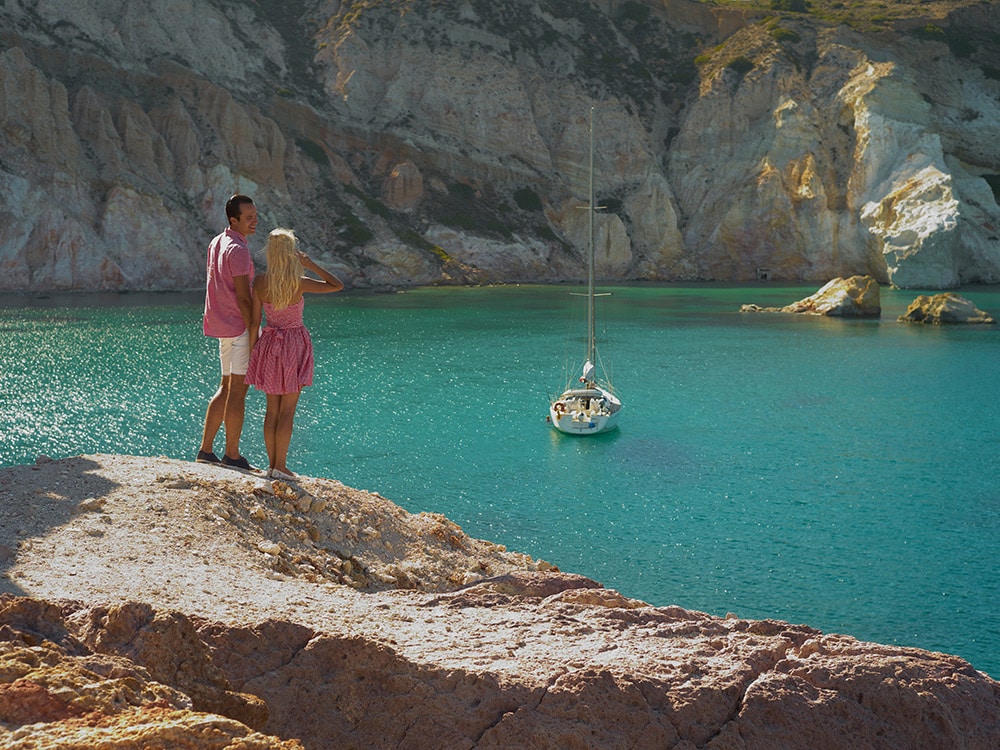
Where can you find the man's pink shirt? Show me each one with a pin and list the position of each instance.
(228, 257)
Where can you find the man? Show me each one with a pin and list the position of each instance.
(228, 310)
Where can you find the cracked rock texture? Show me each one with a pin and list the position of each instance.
(157, 603)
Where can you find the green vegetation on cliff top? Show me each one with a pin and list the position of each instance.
(860, 14)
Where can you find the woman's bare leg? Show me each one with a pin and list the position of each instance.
(270, 427)
(287, 403)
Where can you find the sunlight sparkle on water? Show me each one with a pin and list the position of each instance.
(836, 473)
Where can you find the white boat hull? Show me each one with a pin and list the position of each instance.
(585, 411)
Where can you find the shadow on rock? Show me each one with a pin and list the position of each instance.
(36, 499)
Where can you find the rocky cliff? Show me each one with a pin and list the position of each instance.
(446, 142)
(156, 603)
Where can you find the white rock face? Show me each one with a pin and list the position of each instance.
(842, 171)
(209, 37)
(917, 200)
(917, 224)
(404, 187)
(836, 155)
(88, 208)
(518, 259)
(654, 229)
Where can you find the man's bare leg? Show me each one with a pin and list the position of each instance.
(234, 410)
(214, 415)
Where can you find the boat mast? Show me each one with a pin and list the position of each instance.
(590, 263)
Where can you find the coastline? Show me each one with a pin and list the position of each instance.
(442, 626)
(873, 592)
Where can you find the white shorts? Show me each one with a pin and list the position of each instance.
(234, 354)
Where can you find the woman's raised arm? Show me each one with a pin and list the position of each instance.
(329, 282)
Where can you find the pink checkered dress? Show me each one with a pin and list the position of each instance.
(282, 360)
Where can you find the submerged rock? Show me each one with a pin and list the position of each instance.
(944, 309)
(855, 297)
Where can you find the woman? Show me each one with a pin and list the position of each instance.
(281, 361)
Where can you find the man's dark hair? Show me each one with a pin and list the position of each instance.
(234, 206)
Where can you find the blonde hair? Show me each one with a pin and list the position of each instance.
(284, 269)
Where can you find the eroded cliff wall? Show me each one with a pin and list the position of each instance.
(416, 143)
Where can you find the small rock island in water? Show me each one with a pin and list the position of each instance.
(944, 309)
(859, 297)
(854, 297)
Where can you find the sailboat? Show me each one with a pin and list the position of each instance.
(589, 406)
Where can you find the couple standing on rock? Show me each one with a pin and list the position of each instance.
(277, 360)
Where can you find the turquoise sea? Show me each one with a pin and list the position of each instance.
(837, 473)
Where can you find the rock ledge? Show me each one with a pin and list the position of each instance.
(172, 604)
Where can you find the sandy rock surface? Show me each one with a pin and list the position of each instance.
(222, 544)
(327, 616)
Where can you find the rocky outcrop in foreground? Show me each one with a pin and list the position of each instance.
(119, 677)
(168, 604)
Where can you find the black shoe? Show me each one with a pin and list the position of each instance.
(237, 463)
(207, 457)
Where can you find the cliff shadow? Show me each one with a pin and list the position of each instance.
(39, 498)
